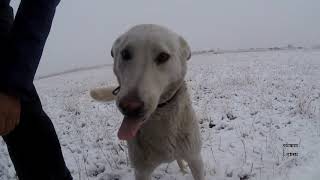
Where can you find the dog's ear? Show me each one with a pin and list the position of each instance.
(184, 48)
(116, 46)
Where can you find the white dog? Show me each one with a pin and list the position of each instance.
(159, 122)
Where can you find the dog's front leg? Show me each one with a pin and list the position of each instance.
(143, 174)
(196, 167)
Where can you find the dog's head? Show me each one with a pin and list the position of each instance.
(150, 66)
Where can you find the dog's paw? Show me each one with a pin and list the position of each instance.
(183, 165)
(103, 94)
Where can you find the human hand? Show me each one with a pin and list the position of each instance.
(10, 109)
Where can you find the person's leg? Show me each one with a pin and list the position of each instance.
(34, 147)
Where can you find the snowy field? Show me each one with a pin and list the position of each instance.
(250, 105)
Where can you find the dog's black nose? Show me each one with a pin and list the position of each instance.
(131, 106)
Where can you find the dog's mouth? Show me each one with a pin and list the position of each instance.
(130, 127)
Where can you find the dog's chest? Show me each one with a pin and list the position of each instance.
(156, 142)
(165, 137)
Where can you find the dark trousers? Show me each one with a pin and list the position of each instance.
(33, 145)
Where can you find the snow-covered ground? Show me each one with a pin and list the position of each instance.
(249, 105)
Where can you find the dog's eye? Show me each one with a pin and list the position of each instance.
(126, 54)
(162, 58)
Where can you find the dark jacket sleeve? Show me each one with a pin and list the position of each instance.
(27, 39)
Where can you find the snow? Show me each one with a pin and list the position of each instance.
(249, 105)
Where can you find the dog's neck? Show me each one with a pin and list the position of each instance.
(170, 112)
(173, 95)
(169, 100)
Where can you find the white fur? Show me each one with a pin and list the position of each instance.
(103, 94)
(170, 132)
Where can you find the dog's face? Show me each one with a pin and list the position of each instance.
(150, 65)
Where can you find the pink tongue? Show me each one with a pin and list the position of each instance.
(129, 128)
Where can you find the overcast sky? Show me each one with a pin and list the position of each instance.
(84, 30)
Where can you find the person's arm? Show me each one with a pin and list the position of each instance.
(27, 38)
(20, 57)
